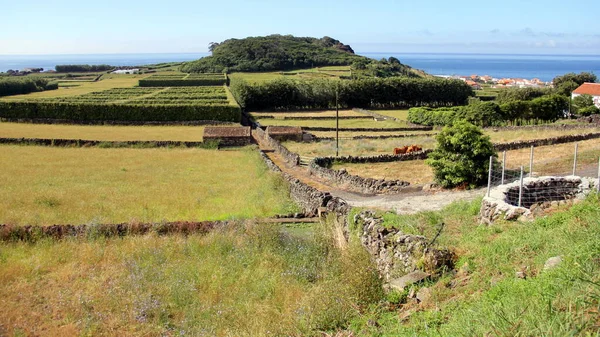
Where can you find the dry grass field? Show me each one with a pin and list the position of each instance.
(323, 113)
(548, 160)
(102, 132)
(344, 123)
(45, 185)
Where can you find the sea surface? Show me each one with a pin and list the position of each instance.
(544, 67)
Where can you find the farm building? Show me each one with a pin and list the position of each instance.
(285, 133)
(592, 89)
(228, 136)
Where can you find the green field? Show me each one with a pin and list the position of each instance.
(102, 132)
(344, 123)
(331, 72)
(44, 186)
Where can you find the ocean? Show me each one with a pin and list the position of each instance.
(544, 67)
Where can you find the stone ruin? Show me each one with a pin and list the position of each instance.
(538, 194)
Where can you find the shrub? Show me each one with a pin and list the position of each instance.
(461, 156)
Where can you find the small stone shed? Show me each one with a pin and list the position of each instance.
(285, 133)
(228, 135)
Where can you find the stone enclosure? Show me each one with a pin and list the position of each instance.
(537, 194)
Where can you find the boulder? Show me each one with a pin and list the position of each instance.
(408, 279)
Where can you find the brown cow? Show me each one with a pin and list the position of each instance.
(400, 150)
(413, 148)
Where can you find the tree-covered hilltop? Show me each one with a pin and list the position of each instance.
(273, 52)
(285, 52)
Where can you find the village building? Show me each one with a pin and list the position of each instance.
(592, 89)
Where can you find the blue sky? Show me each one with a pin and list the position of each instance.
(150, 26)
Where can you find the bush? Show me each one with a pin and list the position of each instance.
(587, 111)
(119, 112)
(462, 156)
(286, 94)
(26, 85)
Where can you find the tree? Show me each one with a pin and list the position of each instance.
(584, 105)
(462, 156)
(580, 78)
(566, 88)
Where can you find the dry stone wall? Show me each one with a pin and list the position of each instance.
(396, 253)
(291, 158)
(546, 141)
(320, 168)
(543, 192)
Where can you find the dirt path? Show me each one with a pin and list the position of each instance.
(410, 203)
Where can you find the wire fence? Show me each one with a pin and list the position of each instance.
(523, 190)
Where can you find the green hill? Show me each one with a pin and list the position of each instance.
(273, 52)
(285, 52)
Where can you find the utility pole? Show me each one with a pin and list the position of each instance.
(337, 121)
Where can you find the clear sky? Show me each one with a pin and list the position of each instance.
(151, 26)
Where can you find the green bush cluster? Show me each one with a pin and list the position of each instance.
(119, 112)
(462, 156)
(547, 108)
(398, 92)
(68, 68)
(24, 85)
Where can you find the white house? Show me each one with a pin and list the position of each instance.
(592, 89)
(126, 71)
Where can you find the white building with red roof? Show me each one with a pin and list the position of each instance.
(592, 89)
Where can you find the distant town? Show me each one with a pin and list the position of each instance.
(477, 81)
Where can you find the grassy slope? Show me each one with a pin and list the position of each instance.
(485, 298)
(42, 185)
(249, 280)
(101, 132)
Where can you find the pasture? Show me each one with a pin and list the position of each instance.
(45, 185)
(343, 123)
(548, 160)
(102, 132)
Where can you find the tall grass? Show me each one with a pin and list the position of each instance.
(246, 280)
(485, 298)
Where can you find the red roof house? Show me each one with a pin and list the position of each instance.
(592, 89)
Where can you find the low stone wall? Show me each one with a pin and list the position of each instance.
(374, 114)
(377, 137)
(545, 141)
(396, 253)
(383, 158)
(420, 128)
(229, 136)
(285, 133)
(502, 203)
(320, 168)
(91, 143)
(103, 122)
(291, 158)
(540, 127)
(307, 197)
(34, 233)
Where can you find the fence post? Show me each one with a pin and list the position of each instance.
(521, 188)
(490, 176)
(531, 163)
(575, 159)
(503, 166)
(598, 186)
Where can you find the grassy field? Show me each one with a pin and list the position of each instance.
(102, 132)
(484, 297)
(358, 147)
(526, 134)
(548, 160)
(108, 82)
(324, 113)
(314, 73)
(400, 114)
(344, 123)
(349, 134)
(42, 185)
(247, 280)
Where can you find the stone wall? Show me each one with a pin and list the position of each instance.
(377, 137)
(291, 158)
(545, 141)
(284, 133)
(419, 128)
(502, 203)
(320, 168)
(396, 253)
(383, 158)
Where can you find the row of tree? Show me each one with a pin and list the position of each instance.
(68, 68)
(287, 94)
(24, 85)
(547, 108)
